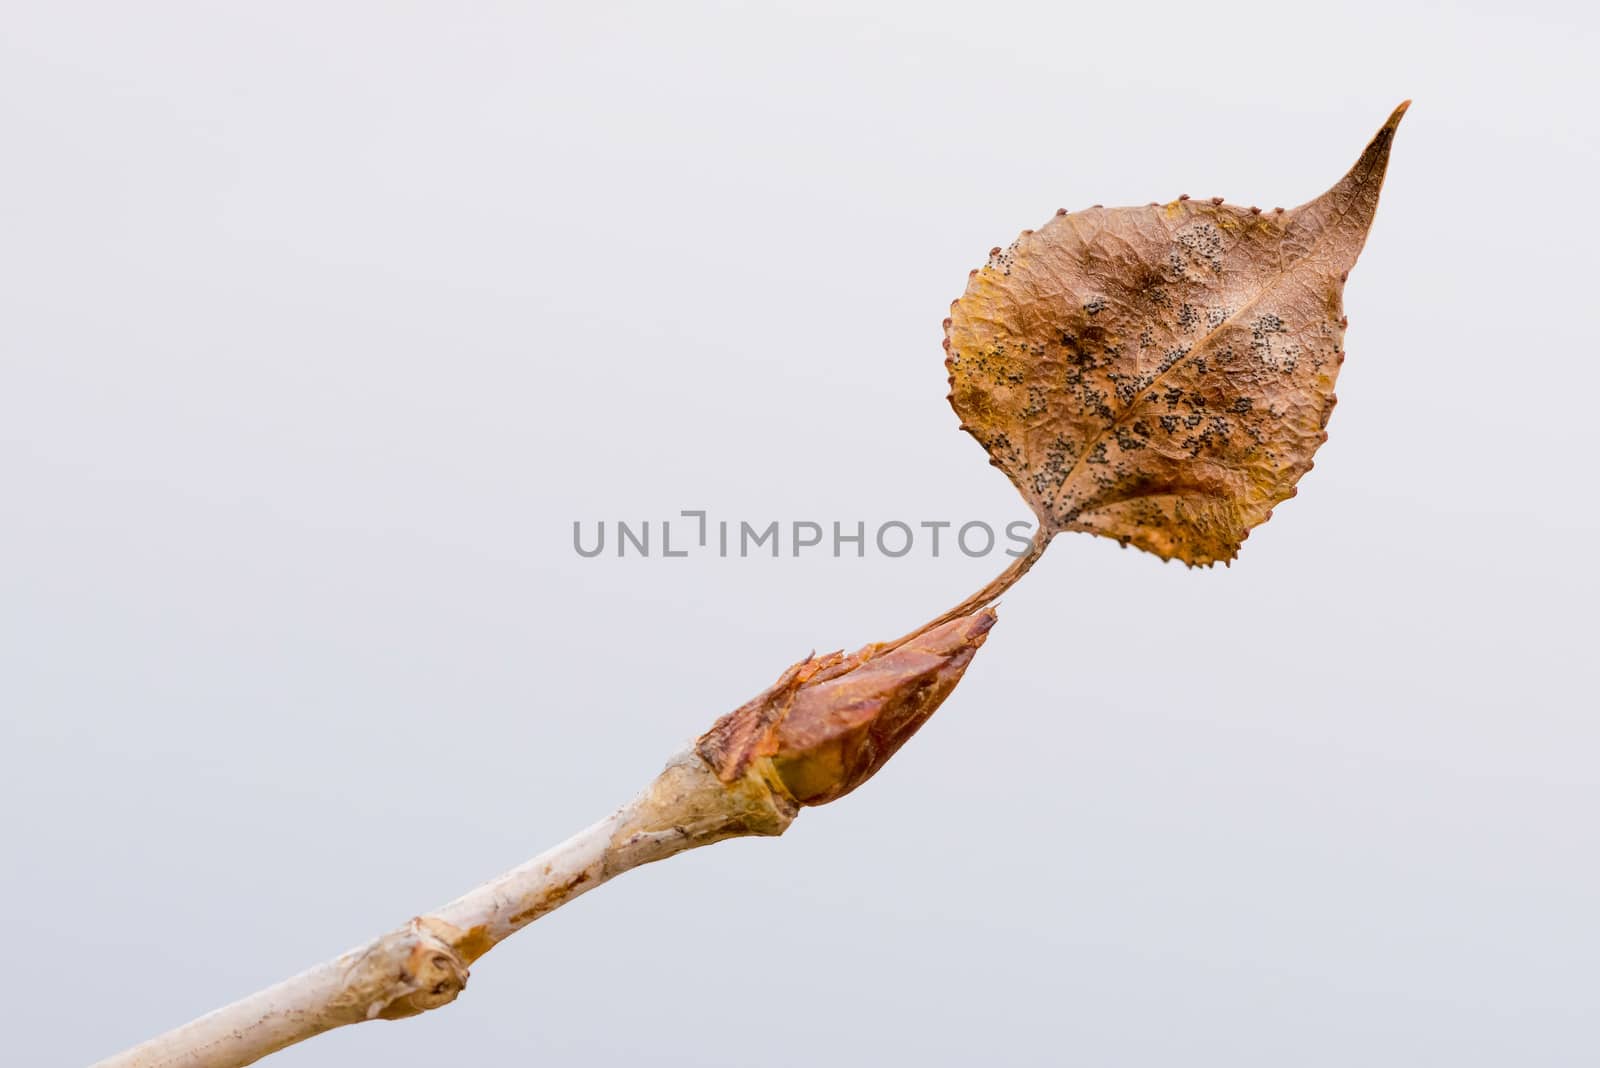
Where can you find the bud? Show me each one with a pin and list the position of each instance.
(830, 722)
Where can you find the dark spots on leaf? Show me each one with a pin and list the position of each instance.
(1004, 451)
(1267, 324)
(1200, 243)
(1269, 344)
(1004, 259)
(1130, 386)
(1058, 457)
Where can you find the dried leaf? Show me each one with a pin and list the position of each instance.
(1162, 375)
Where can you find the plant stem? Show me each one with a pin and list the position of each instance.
(825, 727)
(423, 964)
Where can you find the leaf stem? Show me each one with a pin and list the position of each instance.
(988, 594)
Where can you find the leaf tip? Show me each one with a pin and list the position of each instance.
(1366, 176)
(1376, 157)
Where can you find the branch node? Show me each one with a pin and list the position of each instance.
(406, 972)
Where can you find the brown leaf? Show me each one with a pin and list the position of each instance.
(1162, 375)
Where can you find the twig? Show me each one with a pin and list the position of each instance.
(825, 727)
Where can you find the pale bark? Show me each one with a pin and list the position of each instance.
(825, 727)
(423, 964)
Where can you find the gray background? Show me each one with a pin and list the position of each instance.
(322, 322)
